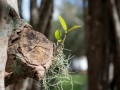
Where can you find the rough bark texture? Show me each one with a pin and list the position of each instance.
(29, 52)
(35, 21)
(6, 28)
(29, 55)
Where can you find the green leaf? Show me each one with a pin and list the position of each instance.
(63, 23)
(59, 40)
(73, 27)
(58, 35)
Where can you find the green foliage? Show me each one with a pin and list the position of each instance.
(58, 73)
(58, 34)
(63, 23)
(73, 27)
(75, 40)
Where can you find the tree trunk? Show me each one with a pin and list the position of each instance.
(3, 59)
(40, 17)
(117, 3)
(34, 14)
(29, 52)
(102, 35)
(98, 36)
(5, 32)
(20, 7)
(115, 16)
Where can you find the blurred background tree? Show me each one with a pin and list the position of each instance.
(102, 40)
(98, 39)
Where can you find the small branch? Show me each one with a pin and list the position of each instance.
(63, 40)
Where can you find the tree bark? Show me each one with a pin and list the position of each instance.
(98, 44)
(117, 3)
(29, 52)
(3, 59)
(5, 31)
(102, 36)
(29, 55)
(94, 49)
(115, 14)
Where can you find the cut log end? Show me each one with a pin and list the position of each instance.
(29, 55)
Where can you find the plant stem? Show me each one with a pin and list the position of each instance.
(63, 40)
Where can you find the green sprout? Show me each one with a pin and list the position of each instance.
(59, 70)
(58, 34)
